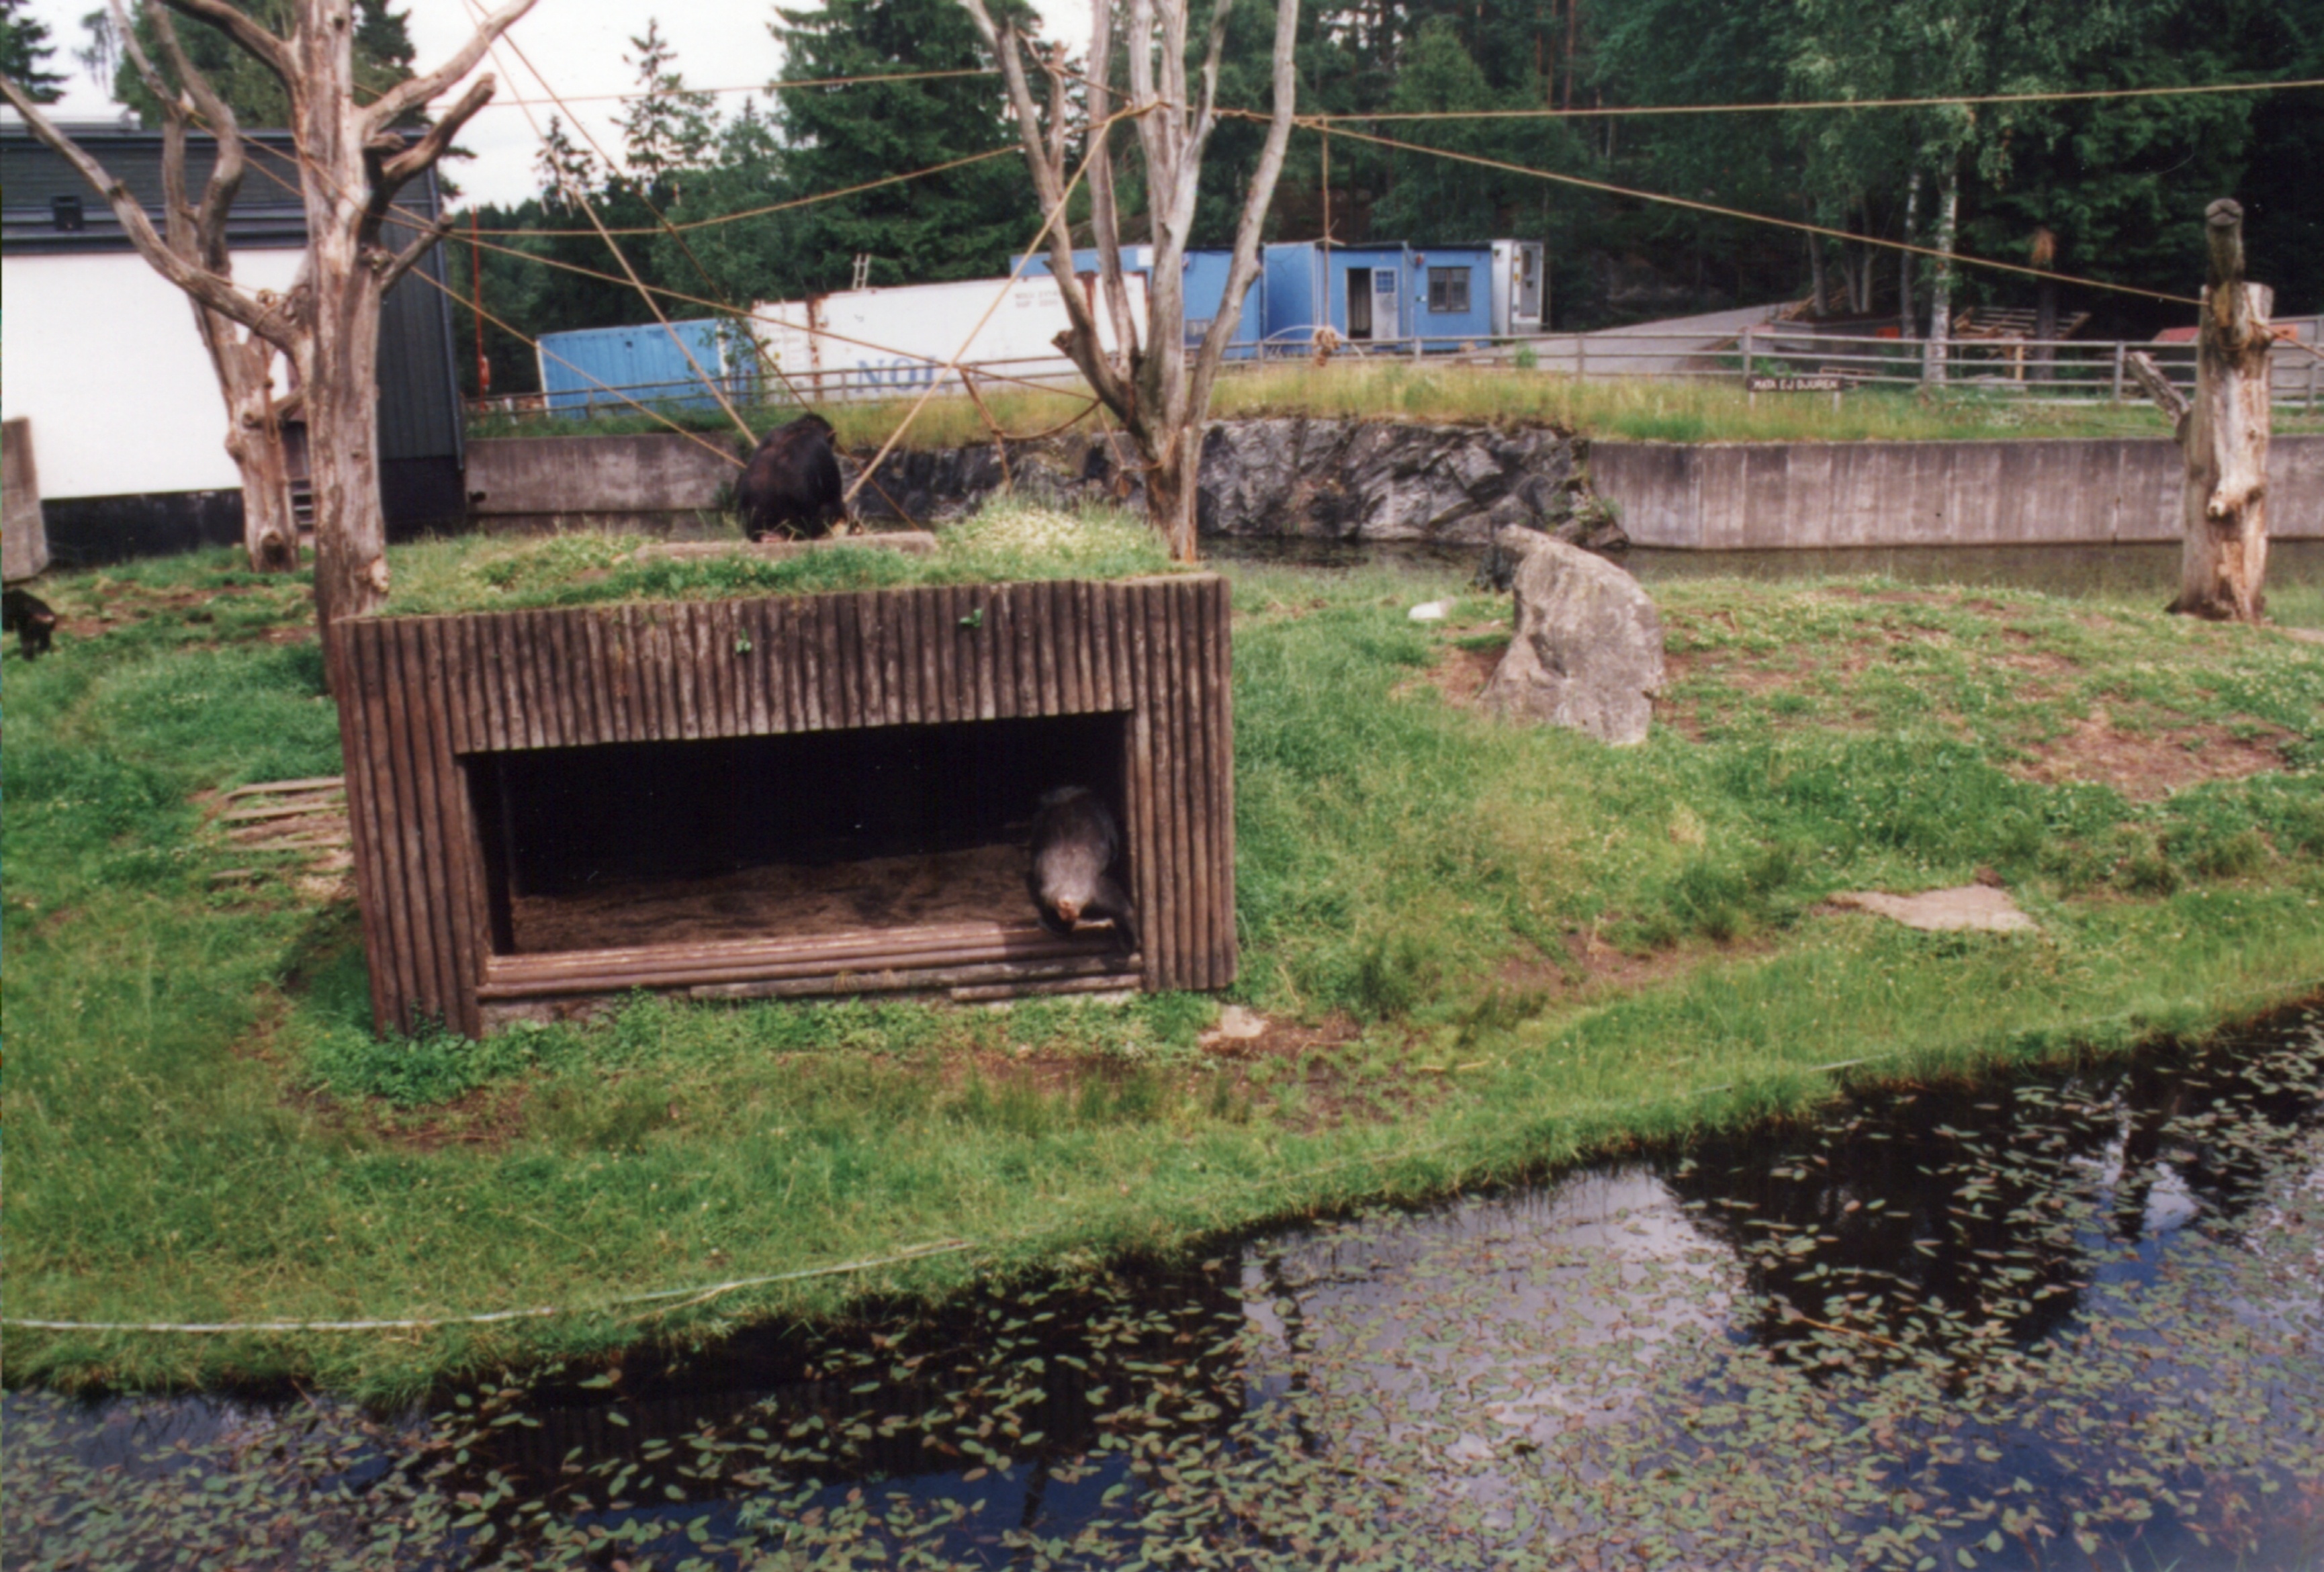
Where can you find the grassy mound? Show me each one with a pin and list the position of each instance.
(1476, 950)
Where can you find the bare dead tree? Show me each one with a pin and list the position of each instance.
(2224, 559)
(197, 233)
(1151, 384)
(351, 161)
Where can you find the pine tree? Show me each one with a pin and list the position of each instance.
(668, 128)
(384, 56)
(961, 225)
(24, 47)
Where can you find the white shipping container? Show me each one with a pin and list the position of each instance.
(886, 343)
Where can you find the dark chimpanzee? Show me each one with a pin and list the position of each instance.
(791, 484)
(1076, 845)
(30, 619)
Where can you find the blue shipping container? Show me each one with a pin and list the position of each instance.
(1206, 287)
(598, 368)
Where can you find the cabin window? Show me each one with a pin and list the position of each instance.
(1448, 289)
(65, 213)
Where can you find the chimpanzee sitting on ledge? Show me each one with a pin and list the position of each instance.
(791, 484)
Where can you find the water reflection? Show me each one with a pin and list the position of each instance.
(2052, 1315)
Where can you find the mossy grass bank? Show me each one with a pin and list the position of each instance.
(1633, 409)
(487, 573)
(1476, 950)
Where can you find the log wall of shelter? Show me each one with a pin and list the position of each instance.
(426, 696)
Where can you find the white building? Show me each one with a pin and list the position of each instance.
(100, 353)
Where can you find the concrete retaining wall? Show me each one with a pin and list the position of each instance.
(1776, 495)
(533, 476)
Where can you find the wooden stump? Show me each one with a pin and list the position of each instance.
(2224, 558)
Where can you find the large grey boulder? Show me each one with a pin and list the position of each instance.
(1373, 480)
(1276, 476)
(1588, 647)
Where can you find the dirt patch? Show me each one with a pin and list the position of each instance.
(2145, 766)
(121, 608)
(489, 1118)
(980, 884)
(2040, 663)
(1592, 967)
(1459, 673)
(1287, 1040)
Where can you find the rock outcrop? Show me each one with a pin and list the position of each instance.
(1588, 652)
(1295, 476)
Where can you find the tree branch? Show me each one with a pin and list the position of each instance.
(1105, 216)
(393, 268)
(1206, 117)
(415, 159)
(404, 96)
(272, 52)
(273, 323)
(2158, 387)
(1261, 194)
(179, 226)
(1080, 341)
(226, 170)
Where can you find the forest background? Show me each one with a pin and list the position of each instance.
(2108, 189)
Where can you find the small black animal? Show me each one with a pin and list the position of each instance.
(30, 618)
(1075, 846)
(791, 484)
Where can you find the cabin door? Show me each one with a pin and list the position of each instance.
(1359, 302)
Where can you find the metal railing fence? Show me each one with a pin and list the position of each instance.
(2041, 370)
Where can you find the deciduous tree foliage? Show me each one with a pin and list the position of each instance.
(2117, 187)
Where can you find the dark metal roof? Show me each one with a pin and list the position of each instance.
(35, 184)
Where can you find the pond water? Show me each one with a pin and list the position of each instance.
(2138, 572)
(2071, 1317)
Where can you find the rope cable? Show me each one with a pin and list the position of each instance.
(1639, 110)
(663, 220)
(1958, 259)
(588, 207)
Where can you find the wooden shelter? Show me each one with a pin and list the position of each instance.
(797, 796)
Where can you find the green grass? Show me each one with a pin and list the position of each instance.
(1008, 541)
(1636, 409)
(1504, 947)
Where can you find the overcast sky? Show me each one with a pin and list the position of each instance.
(578, 46)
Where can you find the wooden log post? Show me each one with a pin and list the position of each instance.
(2223, 559)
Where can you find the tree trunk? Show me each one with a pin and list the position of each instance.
(1174, 492)
(2224, 559)
(2045, 328)
(269, 529)
(1159, 392)
(1940, 306)
(254, 440)
(339, 359)
(1817, 294)
(1904, 259)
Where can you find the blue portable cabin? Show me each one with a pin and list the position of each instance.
(1382, 293)
(598, 368)
(1452, 295)
(1358, 291)
(1291, 273)
(1205, 285)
